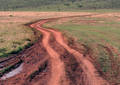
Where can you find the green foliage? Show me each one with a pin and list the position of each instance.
(66, 4)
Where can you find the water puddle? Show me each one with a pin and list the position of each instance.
(12, 73)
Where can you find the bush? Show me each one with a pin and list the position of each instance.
(10, 15)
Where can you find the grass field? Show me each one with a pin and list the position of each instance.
(13, 38)
(14, 35)
(99, 33)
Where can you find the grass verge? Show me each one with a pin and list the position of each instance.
(101, 36)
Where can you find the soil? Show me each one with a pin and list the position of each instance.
(51, 61)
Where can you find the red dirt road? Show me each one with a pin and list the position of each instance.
(58, 71)
(89, 69)
(93, 77)
(54, 63)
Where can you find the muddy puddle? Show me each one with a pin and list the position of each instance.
(13, 72)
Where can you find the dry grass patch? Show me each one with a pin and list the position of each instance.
(14, 36)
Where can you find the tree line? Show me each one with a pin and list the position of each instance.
(79, 4)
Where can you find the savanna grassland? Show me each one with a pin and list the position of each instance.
(100, 36)
(94, 34)
(14, 35)
(80, 47)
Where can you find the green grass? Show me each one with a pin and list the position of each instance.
(14, 38)
(14, 35)
(96, 36)
(59, 5)
(93, 34)
(99, 33)
(63, 8)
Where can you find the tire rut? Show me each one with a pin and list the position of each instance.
(73, 70)
(54, 63)
(57, 66)
(92, 76)
(37, 67)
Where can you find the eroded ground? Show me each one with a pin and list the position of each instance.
(54, 60)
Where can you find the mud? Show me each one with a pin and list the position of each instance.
(50, 61)
(13, 73)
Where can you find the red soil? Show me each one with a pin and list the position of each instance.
(52, 62)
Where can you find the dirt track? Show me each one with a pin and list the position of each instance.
(53, 62)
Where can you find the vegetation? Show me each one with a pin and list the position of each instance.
(17, 38)
(99, 35)
(14, 36)
(58, 5)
